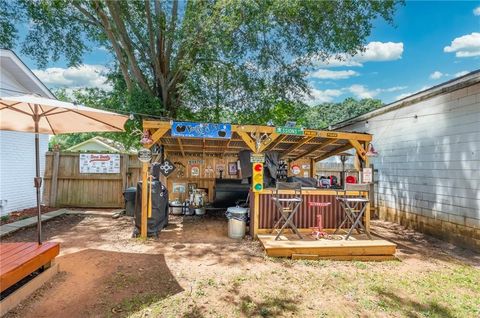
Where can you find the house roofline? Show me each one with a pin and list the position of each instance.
(16, 59)
(94, 139)
(442, 88)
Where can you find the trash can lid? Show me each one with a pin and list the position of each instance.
(176, 203)
(130, 189)
(237, 210)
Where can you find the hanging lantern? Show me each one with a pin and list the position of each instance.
(371, 151)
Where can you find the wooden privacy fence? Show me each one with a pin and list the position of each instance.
(65, 186)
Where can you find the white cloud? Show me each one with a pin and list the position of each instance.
(322, 96)
(83, 76)
(476, 11)
(462, 72)
(436, 75)
(374, 52)
(465, 46)
(328, 74)
(360, 91)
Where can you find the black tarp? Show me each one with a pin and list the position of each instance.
(159, 218)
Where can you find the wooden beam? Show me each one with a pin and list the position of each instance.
(359, 148)
(157, 135)
(344, 135)
(276, 142)
(248, 140)
(181, 146)
(253, 128)
(273, 136)
(317, 148)
(155, 124)
(296, 146)
(333, 152)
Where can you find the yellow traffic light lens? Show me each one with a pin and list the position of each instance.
(258, 178)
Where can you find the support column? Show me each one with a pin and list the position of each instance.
(143, 229)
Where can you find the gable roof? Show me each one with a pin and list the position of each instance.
(467, 80)
(11, 63)
(108, 144)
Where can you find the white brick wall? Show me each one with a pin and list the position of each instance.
(17, 169)
(430, 165)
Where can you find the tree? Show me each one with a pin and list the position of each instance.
(326, 114)
(237, 54)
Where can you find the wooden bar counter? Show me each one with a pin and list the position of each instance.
(263, 213)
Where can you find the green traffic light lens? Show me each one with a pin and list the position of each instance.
(258, 186)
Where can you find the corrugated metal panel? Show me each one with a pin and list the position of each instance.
(306, 216)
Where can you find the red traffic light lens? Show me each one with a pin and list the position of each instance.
(257, 167)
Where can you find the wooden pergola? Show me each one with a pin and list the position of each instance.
(315, 145)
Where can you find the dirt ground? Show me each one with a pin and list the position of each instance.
(194, 270)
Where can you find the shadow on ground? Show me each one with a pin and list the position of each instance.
(99, 283)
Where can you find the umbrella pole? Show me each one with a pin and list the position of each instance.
(37, 180)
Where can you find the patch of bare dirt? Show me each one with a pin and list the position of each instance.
(194, 270)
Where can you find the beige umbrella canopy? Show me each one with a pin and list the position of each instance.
(40, 115)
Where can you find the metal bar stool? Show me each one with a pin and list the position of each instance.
(318, 231)
(354, 210)
(288, 205)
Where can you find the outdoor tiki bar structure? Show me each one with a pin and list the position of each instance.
(198, 150)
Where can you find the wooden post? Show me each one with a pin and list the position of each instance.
(125, 160)
(256, 213)
(143, 229)
(54, 181)
(367, 209)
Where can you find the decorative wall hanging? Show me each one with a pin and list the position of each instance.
(232, 168)
(167, 167)
(195, 170)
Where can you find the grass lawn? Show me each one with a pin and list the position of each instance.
(194, 270)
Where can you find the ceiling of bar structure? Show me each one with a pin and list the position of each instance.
(313, 144)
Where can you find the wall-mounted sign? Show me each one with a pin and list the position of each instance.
(310, 133)
(144, 155)
(367, 175)
(196, 162)
(195, 170)
(201, 130)
(295, 169)
(167, 167)
(257, 157)
(289, 130)
(99, 163)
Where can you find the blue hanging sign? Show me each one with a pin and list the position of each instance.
(201, 130)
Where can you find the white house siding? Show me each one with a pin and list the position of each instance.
(17, 169)
(17, 155)
(429, 167)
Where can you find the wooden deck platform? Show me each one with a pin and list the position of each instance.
(355, 248)
(18, 260)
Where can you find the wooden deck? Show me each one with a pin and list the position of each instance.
(18, 260)
(355, 248)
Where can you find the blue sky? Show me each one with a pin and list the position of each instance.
(429, 43)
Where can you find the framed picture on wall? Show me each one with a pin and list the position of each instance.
(232, 168)
(178, 188)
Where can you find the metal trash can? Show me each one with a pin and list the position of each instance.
(129, 195)
(237, 220)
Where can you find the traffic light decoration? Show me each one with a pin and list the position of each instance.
(257, 177)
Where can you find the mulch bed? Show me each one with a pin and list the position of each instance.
(23, 214)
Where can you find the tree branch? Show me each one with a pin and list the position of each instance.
(118, 50)
(114, 9)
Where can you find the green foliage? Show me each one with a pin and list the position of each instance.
(326, 114)
(210, 58)
(119, 100)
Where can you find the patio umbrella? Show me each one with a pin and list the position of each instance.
(39, 115)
